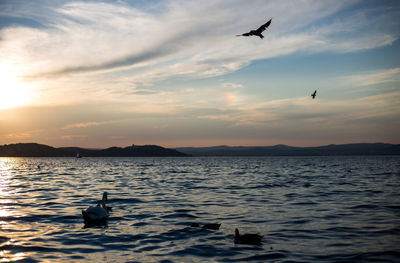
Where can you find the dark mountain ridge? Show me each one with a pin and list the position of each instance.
(284, 150)
(40, 150)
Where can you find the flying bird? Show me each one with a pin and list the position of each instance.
(258, 31)
(314, 94)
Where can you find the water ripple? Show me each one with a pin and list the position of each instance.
(309, 209)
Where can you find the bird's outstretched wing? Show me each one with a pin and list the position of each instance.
(245, 34)
(263, 27)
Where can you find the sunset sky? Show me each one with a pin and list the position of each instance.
(173, 73)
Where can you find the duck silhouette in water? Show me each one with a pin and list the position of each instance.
(211, 226)
(258, 31)
(250, 239)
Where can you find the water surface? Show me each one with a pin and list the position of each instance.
(309, 209)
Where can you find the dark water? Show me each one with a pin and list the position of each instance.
(309, 209)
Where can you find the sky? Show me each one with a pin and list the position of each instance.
(173, 72)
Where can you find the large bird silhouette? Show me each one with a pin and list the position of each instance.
(258, 31)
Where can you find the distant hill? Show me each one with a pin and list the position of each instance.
(40, 150)
(284, 150)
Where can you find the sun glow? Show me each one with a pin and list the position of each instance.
(14, 91)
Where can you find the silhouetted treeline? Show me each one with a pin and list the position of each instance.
(284, 150)
(40, 150)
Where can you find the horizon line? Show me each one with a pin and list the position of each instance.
(211, 146)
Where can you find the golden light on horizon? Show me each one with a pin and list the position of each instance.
(14, 91)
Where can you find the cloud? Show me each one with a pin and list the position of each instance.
(18, 136)
(144, 92)
(73, 137)
(230, 85)
(291, 121)
(190, 38)
(373, 77)
(300, 111)
(84, 124)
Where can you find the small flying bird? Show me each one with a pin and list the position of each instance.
(258, 31)
(314, 94)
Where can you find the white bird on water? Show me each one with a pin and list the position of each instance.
(96, 215)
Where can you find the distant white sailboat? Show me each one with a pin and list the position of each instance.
(78, 155)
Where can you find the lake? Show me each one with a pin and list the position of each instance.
(308, 209)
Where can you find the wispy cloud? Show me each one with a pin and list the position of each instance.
(18, 136)
(302, 111)
(84, 124)
(288, 121)
(73, 137)
(373, 77)
(230, 85)
(185, 38)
